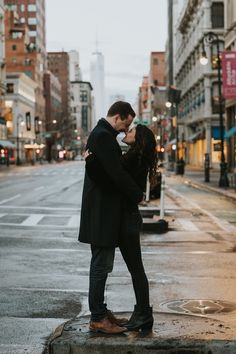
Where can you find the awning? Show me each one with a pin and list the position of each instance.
(230, 132)
(7, 144)
(34, 146)
(194, 136)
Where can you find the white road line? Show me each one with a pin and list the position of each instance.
(53, 227)
(32, 220)
(74, 221)
(38, 188)
(187, 224)
(1, 215)
(10, 199)
(38, 208)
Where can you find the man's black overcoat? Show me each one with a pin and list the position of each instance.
(101, 209)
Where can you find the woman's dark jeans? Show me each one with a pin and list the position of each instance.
(131, 251)
(101, 264)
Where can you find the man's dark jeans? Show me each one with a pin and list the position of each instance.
(101, 264)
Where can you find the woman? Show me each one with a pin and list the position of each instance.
(139, 161)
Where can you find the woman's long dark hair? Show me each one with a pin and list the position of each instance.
(144, 148)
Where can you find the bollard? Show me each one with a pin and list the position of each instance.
(162, 201)
(207, 167)
(147, 189)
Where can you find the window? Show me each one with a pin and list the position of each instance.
(29, 73)
(27, 61)
(155, 61)
(32, 33)
(32, 8)
(16, 35)
(217, 15)
(10, 88)
(12, 7)
(32, 21)
(85, 118)
(13, 47)
(22, 20)
(22, 8)
(84, 96)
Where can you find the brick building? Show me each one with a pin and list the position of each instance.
(52, 90)
(58, 64)
(25, 44)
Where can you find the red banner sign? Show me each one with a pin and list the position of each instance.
(229, 74)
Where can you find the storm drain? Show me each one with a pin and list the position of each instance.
(198, 307)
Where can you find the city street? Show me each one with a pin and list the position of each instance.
(44, 270)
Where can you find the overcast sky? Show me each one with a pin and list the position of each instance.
(127, 31)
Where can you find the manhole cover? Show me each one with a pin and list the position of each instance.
(198, 307)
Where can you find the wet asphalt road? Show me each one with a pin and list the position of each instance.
(44, 270)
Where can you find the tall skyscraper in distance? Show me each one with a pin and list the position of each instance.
(97, 81)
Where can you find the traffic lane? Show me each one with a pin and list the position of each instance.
(31, 191)
(220, 206)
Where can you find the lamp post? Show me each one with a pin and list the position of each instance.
(17, 137)
(211, 39)
(174, 100)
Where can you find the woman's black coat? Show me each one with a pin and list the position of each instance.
(101, 209)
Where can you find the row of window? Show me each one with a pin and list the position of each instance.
(193, 102)
(22, 7)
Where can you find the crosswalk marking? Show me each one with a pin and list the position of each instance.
(74, 221)
(187, 224)
(32, 220)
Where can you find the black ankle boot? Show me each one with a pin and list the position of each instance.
(140, 319)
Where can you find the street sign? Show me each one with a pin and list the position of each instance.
(229, 74)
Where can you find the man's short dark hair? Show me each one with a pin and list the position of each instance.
(122, 108)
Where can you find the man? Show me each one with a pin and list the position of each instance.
(101, 210)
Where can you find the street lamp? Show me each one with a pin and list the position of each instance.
(17, 137)
(211, 39)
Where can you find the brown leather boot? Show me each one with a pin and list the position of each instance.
(119, 321)
(106, 326)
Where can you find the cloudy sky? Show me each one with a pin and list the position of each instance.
(127, 31)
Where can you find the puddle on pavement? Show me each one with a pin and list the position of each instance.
(198, 307)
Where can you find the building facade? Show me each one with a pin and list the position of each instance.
(52, 90)
(3, 129)
(32, 14)
(198, 113)
(59, 65)
(81, 112)
(20, 112)
(75, 72)
(230, 104)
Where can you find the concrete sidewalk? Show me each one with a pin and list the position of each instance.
(171, 334)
